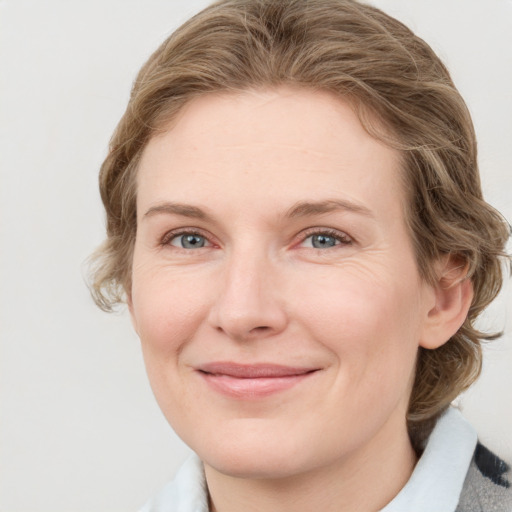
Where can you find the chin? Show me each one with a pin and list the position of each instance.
(280, 459)
(249, 465)
(255, 457)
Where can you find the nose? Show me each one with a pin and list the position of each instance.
(250, 303)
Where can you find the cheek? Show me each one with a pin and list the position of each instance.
(365, 319)
(167, 309)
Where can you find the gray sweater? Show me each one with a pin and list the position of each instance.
(487, 487)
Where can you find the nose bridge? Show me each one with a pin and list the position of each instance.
(248, 303)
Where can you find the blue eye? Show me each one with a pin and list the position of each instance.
(189, 241)
(326, 240)
(321, 241)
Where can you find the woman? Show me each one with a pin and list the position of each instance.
(295, 220)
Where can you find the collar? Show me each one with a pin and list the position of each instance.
(437, 479)
(435, 484)
(186, 493)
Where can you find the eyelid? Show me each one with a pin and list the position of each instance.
(341, 236)
(173, 233)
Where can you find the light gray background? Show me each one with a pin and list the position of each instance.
(79, 429)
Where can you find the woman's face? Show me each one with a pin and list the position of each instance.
(275, 289)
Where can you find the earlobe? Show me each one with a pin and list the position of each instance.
(453, 294)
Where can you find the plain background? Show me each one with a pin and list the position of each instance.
(79, 428)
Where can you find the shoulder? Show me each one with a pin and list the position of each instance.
(487, 487)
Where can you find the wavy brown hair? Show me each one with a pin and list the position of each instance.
(403, 95)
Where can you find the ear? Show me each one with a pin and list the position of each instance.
(452, 295)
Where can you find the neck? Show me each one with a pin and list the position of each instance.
(365, 480)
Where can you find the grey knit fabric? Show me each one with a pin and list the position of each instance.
(487, 487)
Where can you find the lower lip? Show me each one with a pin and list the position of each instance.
(236, 387)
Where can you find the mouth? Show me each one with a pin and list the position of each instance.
(252, 381)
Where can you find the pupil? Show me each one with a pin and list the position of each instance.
(321, 241)
(192, 241)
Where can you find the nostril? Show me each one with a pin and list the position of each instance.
(240, 319)
(262, 328)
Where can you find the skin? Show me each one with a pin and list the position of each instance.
(242, 167)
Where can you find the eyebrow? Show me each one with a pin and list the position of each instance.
(185, 210)
(307, 208)
(300, 209)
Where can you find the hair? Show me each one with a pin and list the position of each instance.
(403, 95)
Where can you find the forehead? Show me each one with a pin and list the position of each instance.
(281, 144)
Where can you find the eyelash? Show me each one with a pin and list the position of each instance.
(171, 235)
(339, 236)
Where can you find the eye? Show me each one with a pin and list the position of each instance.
(326, 239)
(187, 240)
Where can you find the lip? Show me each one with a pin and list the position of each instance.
(245, 381)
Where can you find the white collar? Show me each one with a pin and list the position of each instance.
(437, 479)
(186, 493)
(435, 484)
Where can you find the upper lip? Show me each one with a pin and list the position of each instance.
(253, 371)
